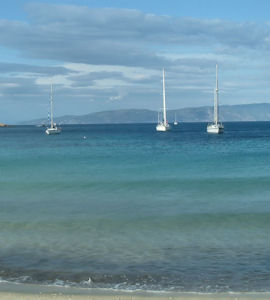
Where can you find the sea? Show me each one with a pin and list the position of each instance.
(124, 207)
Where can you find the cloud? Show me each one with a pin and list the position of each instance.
(91, 78)
(15, 68)
(120, 36)
(97, 57)
(116, 98)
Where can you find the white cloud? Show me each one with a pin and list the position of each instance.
(56, 79)
(107, 55)
(116, 98)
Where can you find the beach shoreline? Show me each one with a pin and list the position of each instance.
(13, 291)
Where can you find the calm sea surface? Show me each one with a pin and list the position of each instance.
(132, 208)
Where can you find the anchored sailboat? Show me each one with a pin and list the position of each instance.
(215, 127)
(175, 121)
(53, 129)
(163, 125)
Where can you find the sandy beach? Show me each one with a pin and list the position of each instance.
(10, 291)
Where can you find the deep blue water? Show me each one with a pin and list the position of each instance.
(132, 208)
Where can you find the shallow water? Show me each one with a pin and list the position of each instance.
(133, 208)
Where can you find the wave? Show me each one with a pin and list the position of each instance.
(148, 282)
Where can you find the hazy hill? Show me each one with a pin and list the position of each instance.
(245, 112)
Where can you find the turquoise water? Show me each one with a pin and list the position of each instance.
(132, 208)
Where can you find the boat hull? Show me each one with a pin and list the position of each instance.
(215, 128)
(163, 127)
(53, 130)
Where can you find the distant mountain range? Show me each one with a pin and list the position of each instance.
(245, 112)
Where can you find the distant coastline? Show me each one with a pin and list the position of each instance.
(228, 113)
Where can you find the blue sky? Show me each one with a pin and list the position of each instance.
(237, 10)
(104, 55)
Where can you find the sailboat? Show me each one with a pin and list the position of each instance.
(163, 125)
(215, 127)
(175, 121)
(53, 129)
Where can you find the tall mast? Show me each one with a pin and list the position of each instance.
(51, 105)
(216, 98)
(164, 100)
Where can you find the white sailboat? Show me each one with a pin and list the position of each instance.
(163, 125)
(216, 126)
(53, 129)
(175, 121)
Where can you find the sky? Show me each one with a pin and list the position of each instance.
(109, 54)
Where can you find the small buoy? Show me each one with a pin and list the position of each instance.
(84, 137)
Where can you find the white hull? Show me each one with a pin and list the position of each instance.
(215, 128)
(175, 123)
(53, 130)
(163, 127)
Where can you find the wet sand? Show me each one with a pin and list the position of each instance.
(37, 292)
(23, 296)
